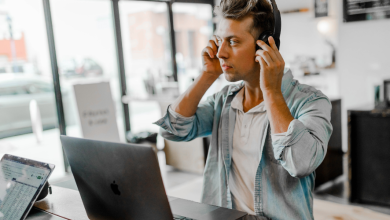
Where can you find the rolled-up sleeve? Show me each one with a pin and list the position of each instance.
(304, 145)
(176, 127)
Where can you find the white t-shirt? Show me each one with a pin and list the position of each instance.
(247, 138)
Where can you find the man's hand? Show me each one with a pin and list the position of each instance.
(210, 60)
(187, 103)
(271, 74)
(272, 66)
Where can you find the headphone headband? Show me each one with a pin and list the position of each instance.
(277, 21)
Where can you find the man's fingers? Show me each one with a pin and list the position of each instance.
(267, 48)
(265, 55)
(263, 45)
(212, 48)
(272, 43)
(260, 59)
(275, 48)
(208, 51)
(213, 45)
(214, 38)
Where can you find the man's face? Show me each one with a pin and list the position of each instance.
(236, 49)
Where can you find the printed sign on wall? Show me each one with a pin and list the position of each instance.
(321, 8)
(359, 10)
(97, 111)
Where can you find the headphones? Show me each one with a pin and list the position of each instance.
(277, 28)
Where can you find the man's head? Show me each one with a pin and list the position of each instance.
(241, 23)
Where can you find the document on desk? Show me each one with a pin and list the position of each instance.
(20, 185)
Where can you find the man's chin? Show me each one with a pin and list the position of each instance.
(231, 77)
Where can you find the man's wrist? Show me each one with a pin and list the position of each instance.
(208, 78)
(271, 94)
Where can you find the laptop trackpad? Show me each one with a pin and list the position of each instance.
(190, 209)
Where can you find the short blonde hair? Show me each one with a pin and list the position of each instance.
(260, 10)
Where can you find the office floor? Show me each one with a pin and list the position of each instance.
(335, 192)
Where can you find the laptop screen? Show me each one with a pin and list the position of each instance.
(21, 181)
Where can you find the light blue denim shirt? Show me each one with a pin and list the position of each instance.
(284, 179)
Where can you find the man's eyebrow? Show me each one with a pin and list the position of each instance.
(227, 37)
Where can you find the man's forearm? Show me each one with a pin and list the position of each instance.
(187, 103)
(278, 113)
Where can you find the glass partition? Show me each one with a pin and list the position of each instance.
(193, 27)
(147, 57)
(85, 45)
(28, 117)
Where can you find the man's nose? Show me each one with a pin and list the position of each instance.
(222, 51)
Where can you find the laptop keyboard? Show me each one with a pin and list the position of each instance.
(178, 217)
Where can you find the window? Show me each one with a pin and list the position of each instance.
(193, 29)
(86, 53)
(25, 75)
(147, 57)
(85, 44)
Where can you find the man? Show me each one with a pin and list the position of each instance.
(269, 133)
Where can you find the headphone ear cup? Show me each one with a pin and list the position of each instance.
(277, 42)
(264, 37)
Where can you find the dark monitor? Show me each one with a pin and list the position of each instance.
(369, 156)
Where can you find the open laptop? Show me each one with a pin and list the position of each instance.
(123, 181)
(21, 181)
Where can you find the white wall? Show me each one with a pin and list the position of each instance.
(300, 36)
(363, 61)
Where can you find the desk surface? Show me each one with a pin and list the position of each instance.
(67, 204)
(36, 214)
(63, 202)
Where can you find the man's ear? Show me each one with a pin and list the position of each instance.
(256, 35)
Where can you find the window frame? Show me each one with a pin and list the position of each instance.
(119, 56)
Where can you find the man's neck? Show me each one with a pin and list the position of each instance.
(252, 96)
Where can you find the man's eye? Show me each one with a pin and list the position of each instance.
(232, 42)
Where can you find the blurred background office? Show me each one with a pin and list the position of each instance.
(145, 53)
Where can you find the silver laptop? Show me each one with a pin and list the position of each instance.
(123, 181)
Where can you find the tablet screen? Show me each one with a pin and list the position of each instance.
(21, 181)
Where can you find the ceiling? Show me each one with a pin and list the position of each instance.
(286, 5)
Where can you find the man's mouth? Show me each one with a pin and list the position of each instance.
(226, 67)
